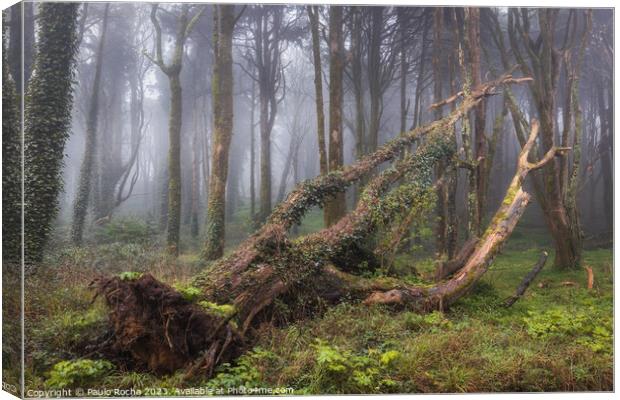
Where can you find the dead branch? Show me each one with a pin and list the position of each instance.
(590, 273)
(529, 278)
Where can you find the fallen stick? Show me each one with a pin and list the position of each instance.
(525, 283)
(590, 277)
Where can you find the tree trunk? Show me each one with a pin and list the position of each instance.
(404, 67)
(174, 165)
(265, 154)
(194, 228)
(545, 66)
(253, 156)
(80, 206)
(336, 207)
(442, 223)
(173, 71)
(47, 122)
(313, 14)
(222, 87)
(481, 153)
(374, 76)
(358, 89)
(11, 169)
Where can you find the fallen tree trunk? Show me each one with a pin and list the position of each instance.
(527, 281)
(445, 293)
(163, 331)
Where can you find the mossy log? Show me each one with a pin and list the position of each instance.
(164, 332)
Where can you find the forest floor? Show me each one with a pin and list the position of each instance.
(558, 337)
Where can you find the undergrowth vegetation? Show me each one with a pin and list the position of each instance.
(557, 337)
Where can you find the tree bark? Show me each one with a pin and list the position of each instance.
(222, 87)
(336, 207)
(481, 153)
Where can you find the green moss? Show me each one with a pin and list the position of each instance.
(129, 275)
(223, 310)
(189, 293)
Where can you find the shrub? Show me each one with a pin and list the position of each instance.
(64, 335)
(433, 321)
(77, 373)
(125, 230)
(247, 371)
(591, 327)
(340, 371)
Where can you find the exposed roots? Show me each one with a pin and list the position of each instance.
(160, 329)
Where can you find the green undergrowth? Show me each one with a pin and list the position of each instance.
(558, 337)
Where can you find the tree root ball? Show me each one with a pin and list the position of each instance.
(160, 329)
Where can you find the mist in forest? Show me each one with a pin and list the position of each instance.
(396, 62)
(376, 180)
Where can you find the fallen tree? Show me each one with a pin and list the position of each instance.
(163, 331)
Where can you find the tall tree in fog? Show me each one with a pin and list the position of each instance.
(266, 45)
(382, 67)
(357, 46)
(222, 92)
(47, 121)
(336, 207)
(185, 24)
(542, 57)
(85, 183)
(11, 164)
(313, 15)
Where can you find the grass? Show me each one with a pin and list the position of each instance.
(556, 338)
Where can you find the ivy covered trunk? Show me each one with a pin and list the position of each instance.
(49, 100)
(11, 167)
(214, 320)
(174, 164)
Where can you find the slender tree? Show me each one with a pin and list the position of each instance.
(266, 45)
(336, 207)
(185, 25)
(222, 93)
(86, 172)
(313, 14)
